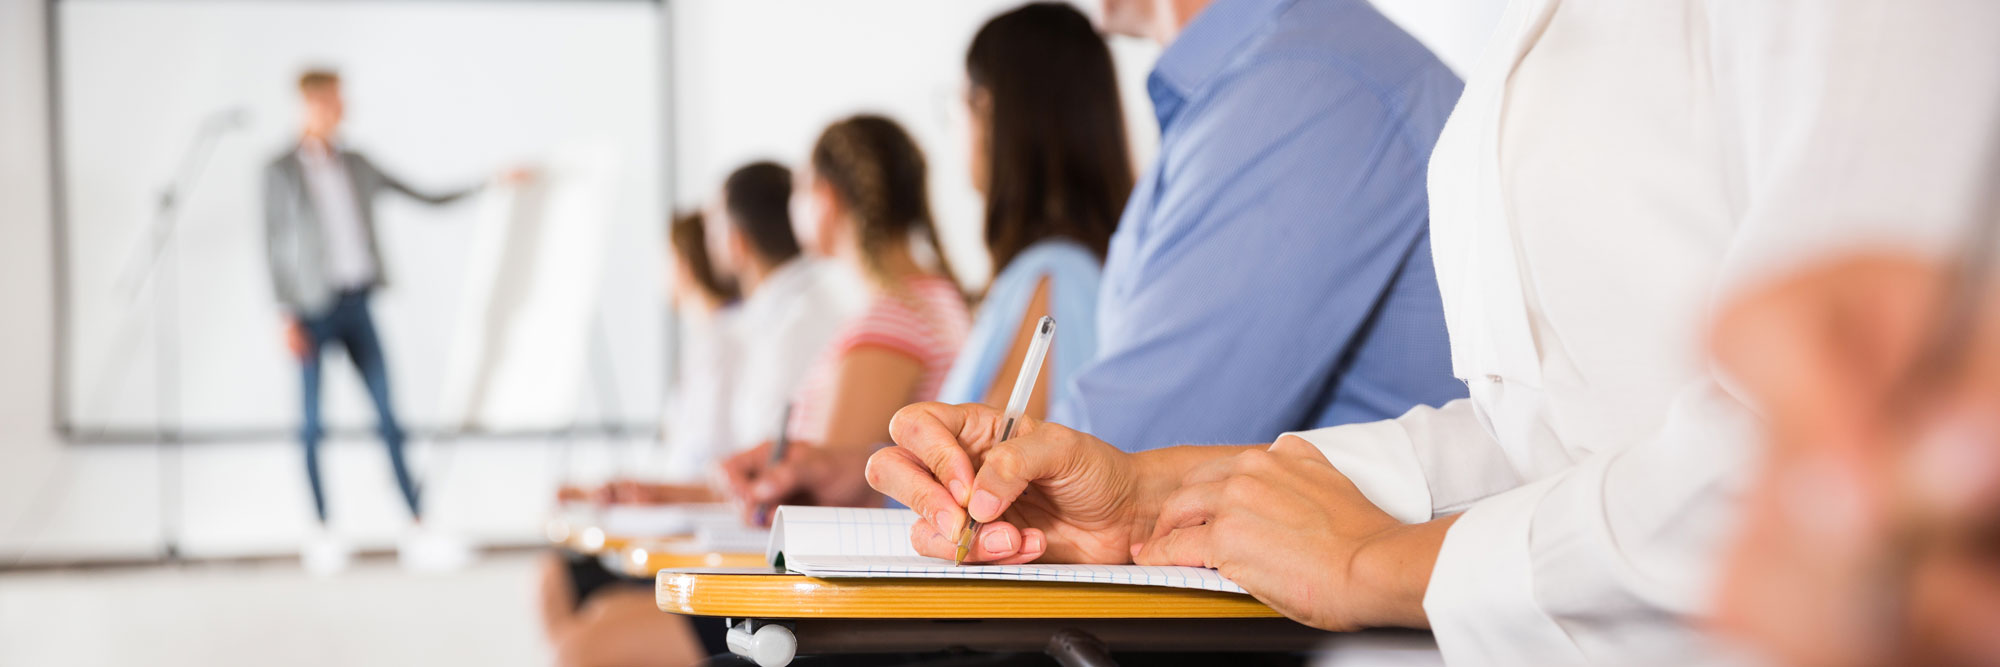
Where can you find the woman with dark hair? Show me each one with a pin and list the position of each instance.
(862, 200)
(1049, 153)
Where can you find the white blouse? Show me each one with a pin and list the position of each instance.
(739, 369)
(1612, 170)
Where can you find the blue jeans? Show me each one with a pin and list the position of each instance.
(349, 324)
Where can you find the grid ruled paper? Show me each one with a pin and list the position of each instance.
(839, 542)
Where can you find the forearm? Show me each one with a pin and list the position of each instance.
(1391, 572)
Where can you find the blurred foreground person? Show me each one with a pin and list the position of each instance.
(1873, 529)
(319, 222)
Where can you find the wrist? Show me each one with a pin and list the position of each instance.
(1157, 474)
(1154, 477)
(1391, 572)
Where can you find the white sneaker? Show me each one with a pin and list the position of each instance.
(324, 554)
(423, 550)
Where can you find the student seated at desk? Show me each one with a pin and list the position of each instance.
(791, 309)
(1050, 157)
(863, 200)
(1288, 196)
(792, 306)
(591, 615)
(1049, 154)
(1606, 180)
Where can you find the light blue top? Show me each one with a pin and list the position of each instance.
(1074, 273)
(1273, 270)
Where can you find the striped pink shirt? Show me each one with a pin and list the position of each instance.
(926, 320)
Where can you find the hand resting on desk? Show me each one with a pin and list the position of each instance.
(1280, 521)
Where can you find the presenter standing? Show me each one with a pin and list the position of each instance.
(320, 238)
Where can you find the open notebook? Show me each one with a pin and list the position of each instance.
(835, 542)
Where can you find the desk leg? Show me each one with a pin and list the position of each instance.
(766, 643)
(1075, 648)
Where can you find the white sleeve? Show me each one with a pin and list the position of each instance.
(1857, 123)
(1427, 463)
(1595, 564)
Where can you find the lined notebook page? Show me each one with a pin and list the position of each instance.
(835, 542)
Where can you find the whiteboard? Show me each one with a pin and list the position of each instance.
(441, 94)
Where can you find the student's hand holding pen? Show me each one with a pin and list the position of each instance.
(809, 474)
(1279, 520)
(1047, 494)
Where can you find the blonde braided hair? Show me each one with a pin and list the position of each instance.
(878, 172)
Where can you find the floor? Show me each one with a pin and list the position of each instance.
(271, 613)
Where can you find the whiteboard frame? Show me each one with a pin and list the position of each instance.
(59, 381)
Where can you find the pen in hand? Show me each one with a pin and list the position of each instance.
(1017, 403)
(778, 448)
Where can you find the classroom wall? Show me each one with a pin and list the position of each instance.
(63, 502)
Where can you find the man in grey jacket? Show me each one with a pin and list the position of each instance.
(320, 235)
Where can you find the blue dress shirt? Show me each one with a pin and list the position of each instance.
(1272, 271)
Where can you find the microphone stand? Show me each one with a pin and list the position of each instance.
(156, 260)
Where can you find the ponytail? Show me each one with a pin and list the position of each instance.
(879, 174)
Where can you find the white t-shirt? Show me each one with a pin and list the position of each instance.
(738, 369)
(785, 327)
(350, 260)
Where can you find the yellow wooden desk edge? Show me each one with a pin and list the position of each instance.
(647, 558)
(762, 594)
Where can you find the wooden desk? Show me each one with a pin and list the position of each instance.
(586, 539)
(773, 615)
(645, 558)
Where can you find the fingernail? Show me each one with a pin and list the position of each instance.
(764, 490)
(984, 504)
(957, 489)
(998, 542)
(946, 522)
(1032, 543)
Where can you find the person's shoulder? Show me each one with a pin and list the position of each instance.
(1051, 255)
(1345, 44)
(281, 158)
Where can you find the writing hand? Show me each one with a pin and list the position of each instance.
(1049, 493)
(810, 474)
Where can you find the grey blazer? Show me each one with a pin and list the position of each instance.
(295, 243)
